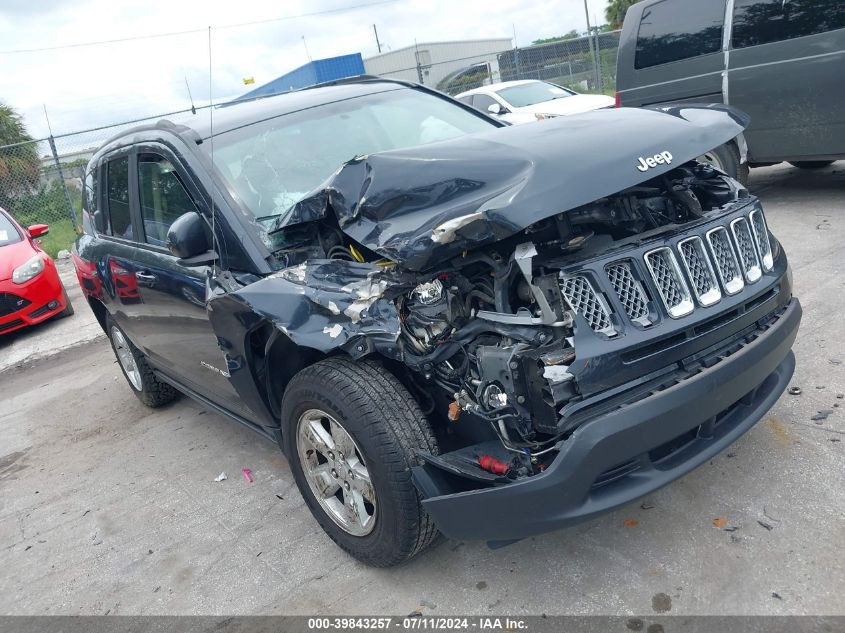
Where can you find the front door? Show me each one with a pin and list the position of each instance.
(172, 325)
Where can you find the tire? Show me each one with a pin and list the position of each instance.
(149, 389)
(767, 164)
(811, 164)
(68, 311)
(385, 426)
(726, 158)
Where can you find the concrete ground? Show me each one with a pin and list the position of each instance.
(109, 507)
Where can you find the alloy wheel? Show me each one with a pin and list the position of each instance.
(126, 358)
(336, 473)
(710, 158)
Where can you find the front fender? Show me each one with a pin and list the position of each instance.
(318, 308)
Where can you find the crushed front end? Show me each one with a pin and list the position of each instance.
(599, 354)
(578, 331)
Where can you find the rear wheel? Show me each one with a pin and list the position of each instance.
(811, 164)
(149, 389)
(351, 430)
(726, 158)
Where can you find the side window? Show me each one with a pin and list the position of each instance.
(467, 100)
(9, 233)
(763, 21)
(672, 30)
(482, 102)
(163, 196)
(89, 202)
(119, 221)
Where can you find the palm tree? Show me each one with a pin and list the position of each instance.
(616, 10)
(20, 167)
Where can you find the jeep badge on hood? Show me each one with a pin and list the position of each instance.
(663, 158)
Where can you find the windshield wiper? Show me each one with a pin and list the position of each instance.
(262, 218)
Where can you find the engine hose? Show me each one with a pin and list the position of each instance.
(480, 326)
(502, 273)
(501, 288)
(477, 294)
(472, 258)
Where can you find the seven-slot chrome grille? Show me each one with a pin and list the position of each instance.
(579, 293)
(696, 271)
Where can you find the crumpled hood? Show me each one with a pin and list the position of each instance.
(421, 205)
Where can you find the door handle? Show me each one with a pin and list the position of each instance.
(146, 279)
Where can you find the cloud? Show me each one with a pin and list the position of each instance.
(91, 86)
(15, 8)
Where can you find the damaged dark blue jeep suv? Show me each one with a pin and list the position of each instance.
(447, 324)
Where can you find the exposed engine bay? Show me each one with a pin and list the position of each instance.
(492, 329)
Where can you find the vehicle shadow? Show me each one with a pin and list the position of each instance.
(30, 331)
(787, 179)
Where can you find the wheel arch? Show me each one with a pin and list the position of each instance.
(274, 359)
(99, 310)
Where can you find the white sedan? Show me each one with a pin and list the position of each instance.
(531, 100)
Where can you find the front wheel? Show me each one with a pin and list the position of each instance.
(350, 431)
(726, 158)
(68, 311)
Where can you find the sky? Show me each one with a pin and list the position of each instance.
(84, 86)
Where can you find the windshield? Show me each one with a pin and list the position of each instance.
(8, 231)
(532, 93)
(274, 163)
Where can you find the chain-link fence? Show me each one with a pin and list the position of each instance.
(584, 64)
(41, 181)
(39, 187)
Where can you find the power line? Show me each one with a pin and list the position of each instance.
(202, 30)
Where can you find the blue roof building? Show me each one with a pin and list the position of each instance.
(314, 72)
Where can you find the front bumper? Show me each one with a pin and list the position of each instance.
(34, 298)
(633, 450)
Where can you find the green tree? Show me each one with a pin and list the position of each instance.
(20, 167)
(616, 10)
(560, 38)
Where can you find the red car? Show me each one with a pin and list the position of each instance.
(30, 288)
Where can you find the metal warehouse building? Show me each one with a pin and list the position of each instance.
(430, 62)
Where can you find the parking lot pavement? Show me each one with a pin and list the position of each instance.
(32, 343)
(109, 507)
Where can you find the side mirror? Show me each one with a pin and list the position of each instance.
(189, 239)
(37, 230)
(495, 108)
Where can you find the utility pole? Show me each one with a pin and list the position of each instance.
(55, 153)
(377, 42)
(594, 51)
(305, 44)
(419, 66)
(598, 55)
